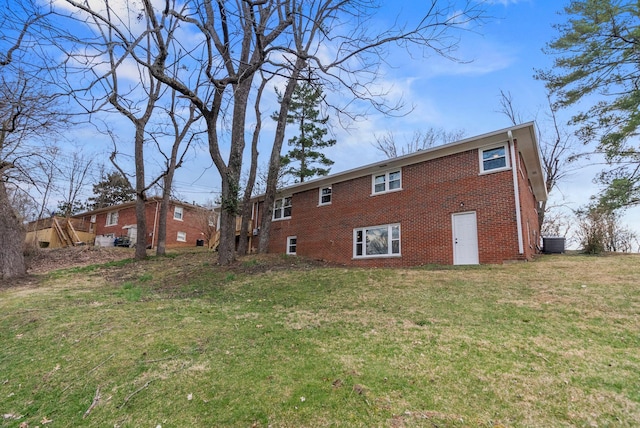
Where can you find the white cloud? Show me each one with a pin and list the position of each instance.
(507, 2)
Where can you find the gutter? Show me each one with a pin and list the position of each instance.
(516, 191)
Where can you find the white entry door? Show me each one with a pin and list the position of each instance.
(132, 233)
(465, 239)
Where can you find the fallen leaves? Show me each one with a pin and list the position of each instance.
(11, 416)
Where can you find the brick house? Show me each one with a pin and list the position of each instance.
(186, 223)
(468, 202)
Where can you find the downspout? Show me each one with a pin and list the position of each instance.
(516, 191)
(256, 225)
(253, 226)
(155, 225)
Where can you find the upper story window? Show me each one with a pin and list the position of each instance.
(282, 208)
(494, 159)
(325, 195)
(112, 218)
(178, 213)
(376, 241)
(386, 182)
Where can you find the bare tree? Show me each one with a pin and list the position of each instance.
(420, 140)
(28, 112)
(182, 138)
(118, 33)
(16, 23)
(235, 40)
(215, 73)
(599, 230)
(557, 145)
(275, 169)
(207, 220)
(75, 175)
(253, 169)
(46, 170)
(557, 223)
(24, 204)
(124, 42)
(140, 118)
(360, 49)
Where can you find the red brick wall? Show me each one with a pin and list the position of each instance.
(432, 192)
(529, 210)
(191, 224)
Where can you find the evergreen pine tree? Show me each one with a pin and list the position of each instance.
(305, 113)
(112, 189)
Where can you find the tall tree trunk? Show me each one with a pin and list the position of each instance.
(12, 236)
(141, 199)
(230, 176)
(172, 164)
(248, 190)
(274, 161)
(161, 242)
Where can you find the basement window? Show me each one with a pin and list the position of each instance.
(292, 245)
(181, 237)
(376, 241)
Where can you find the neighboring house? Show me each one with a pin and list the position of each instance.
(56, 232)
(187, 224)
(468, 202)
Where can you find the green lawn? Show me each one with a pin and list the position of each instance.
(179, 342)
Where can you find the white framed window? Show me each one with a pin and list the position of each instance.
(376, 241)
(93, 218)
(292, 244)
(494, 159)
(386, 182)
(178, 213)
(282, 208)
(112, 218)
(181, 237)
(325, 195)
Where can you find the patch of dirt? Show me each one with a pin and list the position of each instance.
(46, 260)
(262, 263)
(185, 263)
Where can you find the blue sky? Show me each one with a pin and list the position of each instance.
(502, 53)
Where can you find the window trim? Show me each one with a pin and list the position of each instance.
(178, 236)
(282, 208)
(507, 166)
(321, 195)
(177, 209)
(289, 245)
(108, 220)
(387, 180)
(390, 240)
